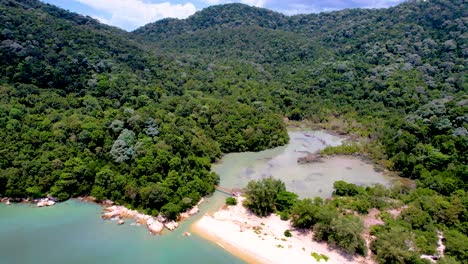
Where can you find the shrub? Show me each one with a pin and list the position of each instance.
(231, 201)
(319, 257)
(284, 216)
(287, 233)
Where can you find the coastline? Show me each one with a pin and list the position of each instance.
(262, 240)
(246, 255)
(119, 213)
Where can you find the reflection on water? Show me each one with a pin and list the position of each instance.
(307, 180)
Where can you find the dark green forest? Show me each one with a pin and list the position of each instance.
(139, 117)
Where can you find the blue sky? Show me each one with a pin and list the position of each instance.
(131, 14)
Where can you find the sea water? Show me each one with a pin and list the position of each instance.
(73, 231)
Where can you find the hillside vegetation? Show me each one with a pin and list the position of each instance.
(139, 117)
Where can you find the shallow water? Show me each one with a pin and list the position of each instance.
(73, 232)
(307, 180)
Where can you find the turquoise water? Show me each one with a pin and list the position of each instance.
(73, 232)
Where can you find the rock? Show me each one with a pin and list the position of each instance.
(201, 201)
(7, 202)
(45, 202)
(111, 212)
(154, 226)
(161, 218)
(89, 199)
(51, 198)
(120, 212)
(107, 202)
(193, 211)
(171, 225)
(187, 234)
(183, 216)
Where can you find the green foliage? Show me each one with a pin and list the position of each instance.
(261, 196)
(456, 245)
(305, 213)
(343, 188)
(319, 257)
(287, 233)
(284, 215)
(285, 200)
(345, 232)
(231, 201)
(345, 149)
(395, 245)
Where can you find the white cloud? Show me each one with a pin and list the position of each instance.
(376, 3)
(130, 14)
(102, 20)
(257, 3)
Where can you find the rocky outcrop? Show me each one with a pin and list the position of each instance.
(120, 212)
(154, 224)
(192, 211)
(171, 225)
(440, 249)
(45, 202)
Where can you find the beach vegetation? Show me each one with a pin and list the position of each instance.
(261, 196)
(318, 257)
(231, 201)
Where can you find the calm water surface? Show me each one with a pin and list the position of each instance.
(73, 232)
(307, 180)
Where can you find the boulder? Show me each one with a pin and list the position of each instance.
(171, 225)
(7, 202)
(154, 226)
(107, 202)
(121, 222)
(45, 202)
(193, 211)
(51, 198)
(201, 201)
(161, 218)
(183, 216)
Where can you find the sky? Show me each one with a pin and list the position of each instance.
(131, 14)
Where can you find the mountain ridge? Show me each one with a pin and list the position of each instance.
(89, 109)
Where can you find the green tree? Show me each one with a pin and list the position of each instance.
(261, 195)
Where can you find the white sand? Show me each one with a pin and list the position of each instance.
(262, 240)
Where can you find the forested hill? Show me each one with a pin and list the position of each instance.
(139, 117)
(86, 110)
(214, 17)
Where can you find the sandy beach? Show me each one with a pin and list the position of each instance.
(262, 240)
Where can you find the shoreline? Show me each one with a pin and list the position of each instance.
(119, 213)
(261, 240)
(244, 255)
